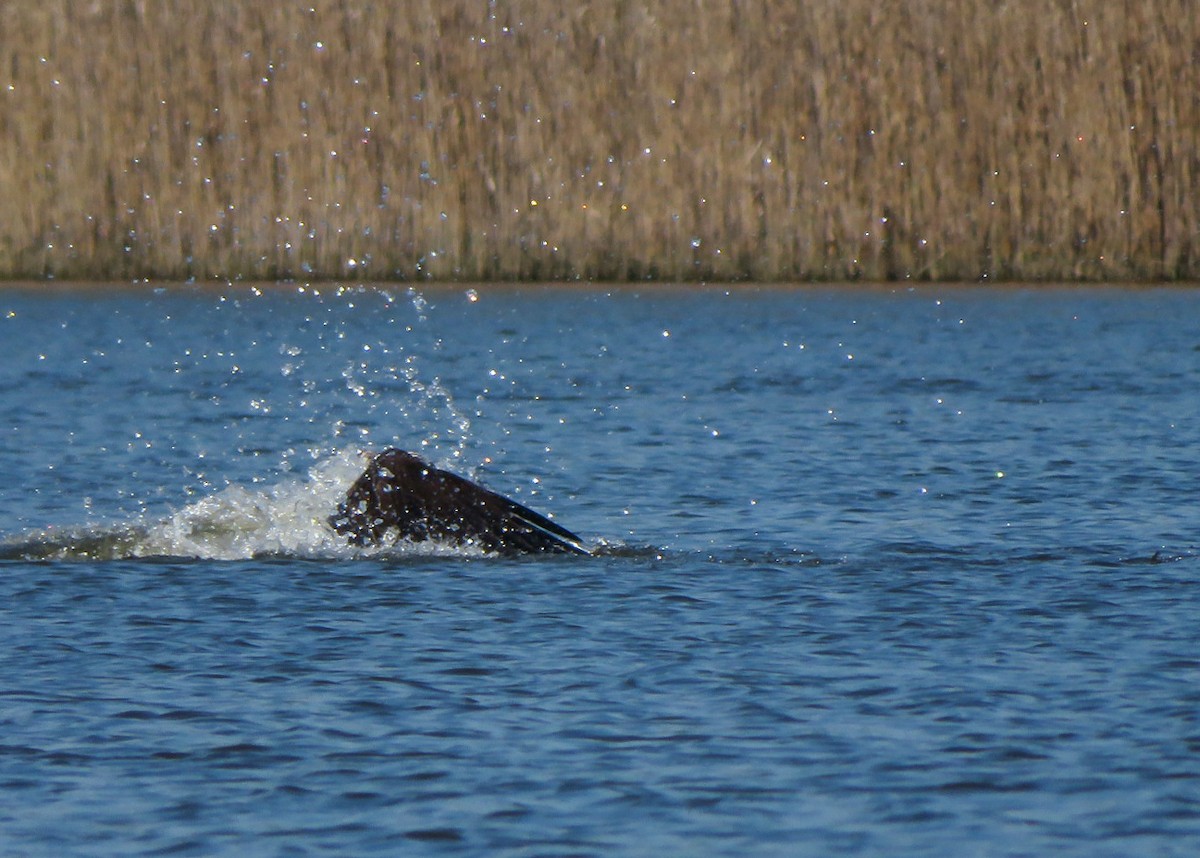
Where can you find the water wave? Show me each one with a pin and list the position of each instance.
(288, 519)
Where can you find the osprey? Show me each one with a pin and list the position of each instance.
(402, 497)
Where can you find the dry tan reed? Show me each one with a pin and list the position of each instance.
(684, 139)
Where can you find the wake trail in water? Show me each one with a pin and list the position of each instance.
(288, 519)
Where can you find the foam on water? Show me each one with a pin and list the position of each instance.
(287, 519)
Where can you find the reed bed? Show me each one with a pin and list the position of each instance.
(680, 140)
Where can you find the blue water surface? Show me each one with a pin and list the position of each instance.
(879, 572)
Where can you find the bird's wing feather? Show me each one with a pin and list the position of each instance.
(400, 492)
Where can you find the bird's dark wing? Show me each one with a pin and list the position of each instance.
(399, 496)
(499, 523)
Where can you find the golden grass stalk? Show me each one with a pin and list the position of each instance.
(682, 140)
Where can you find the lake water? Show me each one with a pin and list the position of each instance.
(879, 572)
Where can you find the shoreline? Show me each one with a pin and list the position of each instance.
(483, 290)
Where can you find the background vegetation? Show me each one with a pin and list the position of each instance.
(684, 139)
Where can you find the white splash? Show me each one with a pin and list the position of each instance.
(289, 518)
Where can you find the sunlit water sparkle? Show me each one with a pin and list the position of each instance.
(881, 572)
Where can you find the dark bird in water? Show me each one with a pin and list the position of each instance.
(402, 497)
